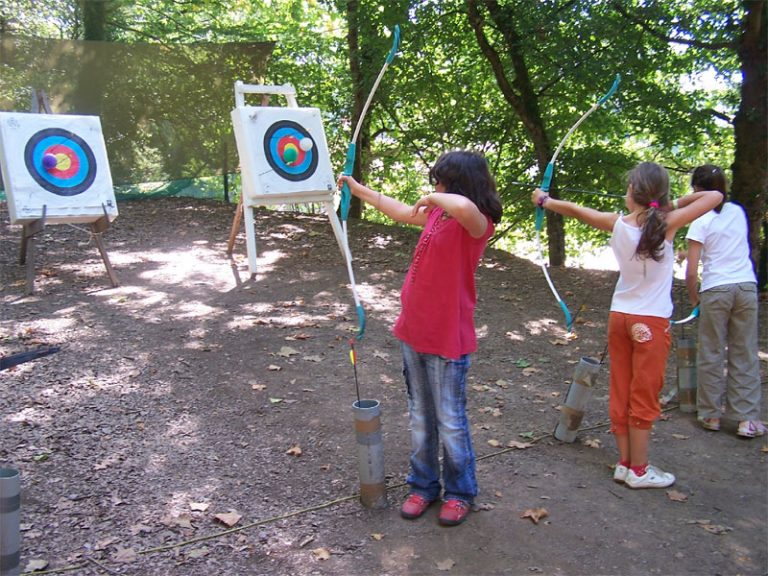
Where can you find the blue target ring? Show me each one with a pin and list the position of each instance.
(60, 161)
(285, 146)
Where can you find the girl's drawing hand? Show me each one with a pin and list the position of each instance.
(537, 195)
(425, 203)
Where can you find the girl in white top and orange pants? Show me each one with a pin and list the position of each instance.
(638, 325)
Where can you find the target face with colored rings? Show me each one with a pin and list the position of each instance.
(290, 150)
(60, 161)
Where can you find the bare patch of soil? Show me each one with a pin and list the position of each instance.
(181, 397)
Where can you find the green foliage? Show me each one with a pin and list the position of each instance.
(440, 93)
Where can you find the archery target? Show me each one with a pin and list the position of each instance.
(56, 162)
(283, 152)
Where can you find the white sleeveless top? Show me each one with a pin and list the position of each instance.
(644, 286)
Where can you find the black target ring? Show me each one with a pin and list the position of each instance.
(282, 141)
(60, 161)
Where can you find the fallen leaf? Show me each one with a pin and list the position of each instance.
(37, 564)
(717, 529)
(680, 436)
(198, 552)
(526, 434)
(377, 536)
(182, 520)
(258, 386)
(294, 450)
(764, 448)
(535, 514)
(274, 368)
(321, 553)
(559, 342)
(137, 529)
(676, 496)
(592, 443)
(287, 352)
(518, 445)
(485, 506)
(494, 443)
(445, 565)
(229, 519)
(530, 370)
(198, 506)
(275, 400)
(382, 355)
(125, 555)
(522, 363)
(312, 358)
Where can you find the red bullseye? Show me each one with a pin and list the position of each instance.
(67, 163)
(290, 150)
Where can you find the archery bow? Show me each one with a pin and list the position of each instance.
(694, 314)
(545, 183)
(349, 166)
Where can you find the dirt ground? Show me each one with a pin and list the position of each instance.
(197, 421)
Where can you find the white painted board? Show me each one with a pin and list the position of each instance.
(55, 161)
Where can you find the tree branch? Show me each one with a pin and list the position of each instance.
(665, 37)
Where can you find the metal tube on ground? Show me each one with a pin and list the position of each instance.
(686, 374)
(10, 514)
(579, 393)
(370, 453)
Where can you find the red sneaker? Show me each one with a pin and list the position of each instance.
(414, 506)
(453, 512)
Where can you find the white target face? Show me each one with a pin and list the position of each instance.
(57, 163)
(283, 152)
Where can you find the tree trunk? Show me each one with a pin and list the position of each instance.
(750, 166)
(355, 57)
(518, 92)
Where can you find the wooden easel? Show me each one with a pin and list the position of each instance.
(245, 210)
(40, 105)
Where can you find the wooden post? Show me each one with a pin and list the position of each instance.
(97, 229)
(28, 248)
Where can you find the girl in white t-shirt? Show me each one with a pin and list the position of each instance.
(638, 324)
(728, 306)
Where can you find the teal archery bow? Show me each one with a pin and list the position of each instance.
(694, 314)
(545, 183)
(346, 196)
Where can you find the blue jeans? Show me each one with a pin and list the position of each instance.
(437, 401)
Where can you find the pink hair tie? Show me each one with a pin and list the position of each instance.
(654, 204)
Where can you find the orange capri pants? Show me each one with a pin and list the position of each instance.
(638, 347)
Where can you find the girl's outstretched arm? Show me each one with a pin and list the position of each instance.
(595, 218)
(690, 207)
(398, 211)
(461, 208)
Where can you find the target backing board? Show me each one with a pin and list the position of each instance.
(58, 162)
(283, 153)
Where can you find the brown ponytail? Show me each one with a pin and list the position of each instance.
(650, 188)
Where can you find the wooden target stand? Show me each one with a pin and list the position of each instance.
(244, 210)
(31, 229)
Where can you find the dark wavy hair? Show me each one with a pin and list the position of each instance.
(467, 174)
(710, 177)
(650, 184)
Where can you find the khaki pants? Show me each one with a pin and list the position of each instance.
(728, 341)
